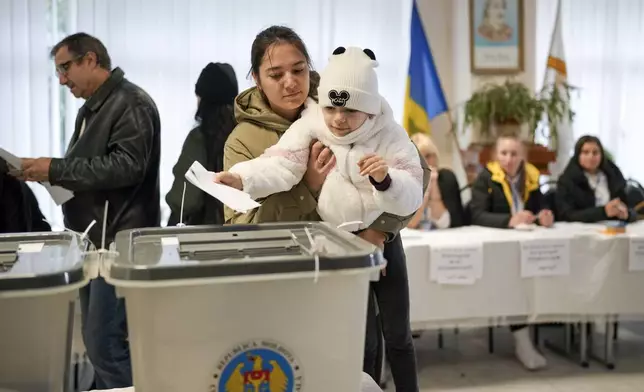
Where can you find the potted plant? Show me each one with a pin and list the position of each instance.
(499, 106)
(494, 108)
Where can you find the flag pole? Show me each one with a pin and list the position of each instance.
(552, 41)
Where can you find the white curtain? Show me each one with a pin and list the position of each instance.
(162, 45)
(604, 51)
(26, 78)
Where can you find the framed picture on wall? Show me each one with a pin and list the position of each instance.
(496, 36)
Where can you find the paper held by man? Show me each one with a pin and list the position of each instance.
(235, 199)
(59, 194)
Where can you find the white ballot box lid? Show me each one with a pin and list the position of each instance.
(196, 252)
(35, 261)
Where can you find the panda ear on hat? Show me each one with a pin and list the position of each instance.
(372, 56)
(339, 50)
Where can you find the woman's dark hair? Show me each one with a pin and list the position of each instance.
(276, 35)
(589, 139)
(216, 122)
(217, 88)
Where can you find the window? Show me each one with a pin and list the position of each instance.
(602, 41)
(163, 45)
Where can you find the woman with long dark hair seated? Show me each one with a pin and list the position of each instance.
(506, 195)
(592, 188)
(216, 90)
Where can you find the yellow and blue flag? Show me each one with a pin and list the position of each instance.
(426, 108)
(424, 99)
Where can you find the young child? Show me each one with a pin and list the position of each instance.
(377, 166)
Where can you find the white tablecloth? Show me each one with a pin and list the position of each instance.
(599, 282)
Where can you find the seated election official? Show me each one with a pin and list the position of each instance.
(442, 206)
(592, 188)
(506, 195)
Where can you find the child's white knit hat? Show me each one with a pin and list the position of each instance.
(350, 81)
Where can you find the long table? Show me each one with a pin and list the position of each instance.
(599, 286)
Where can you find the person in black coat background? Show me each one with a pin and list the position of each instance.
(442, 207)
(216, 90)
(591, 188)
(19, 210)
(505, 195)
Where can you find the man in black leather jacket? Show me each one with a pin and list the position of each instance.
(113, 156)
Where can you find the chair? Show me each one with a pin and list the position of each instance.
(467, 211)
(549, 197)
(635, 197)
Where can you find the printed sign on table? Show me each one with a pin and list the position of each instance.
(545, 257)
(456, 264)
(636, 253)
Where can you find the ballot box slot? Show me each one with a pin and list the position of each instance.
(228, 238)
(8, 259)
(216, 252)
(244, 244)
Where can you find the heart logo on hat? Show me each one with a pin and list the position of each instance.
(339, 99)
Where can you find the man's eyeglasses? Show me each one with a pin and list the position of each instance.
(62, 69)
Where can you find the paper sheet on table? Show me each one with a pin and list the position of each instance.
(59, 194)
(545, 257)
(239, 201)
(456, 264)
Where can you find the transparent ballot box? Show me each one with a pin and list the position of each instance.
(271, 307)
(40, 274)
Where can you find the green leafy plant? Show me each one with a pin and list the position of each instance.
(513, 103)
(555, 101)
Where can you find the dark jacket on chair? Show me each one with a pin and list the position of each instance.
(575, 199)
(492, 197)
(451, 195)
(19, 211)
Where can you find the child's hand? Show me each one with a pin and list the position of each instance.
(374, 166)
(377, 238)
(231, 179)
(546, 218)
(374, 236)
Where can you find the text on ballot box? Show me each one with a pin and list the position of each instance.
(636, 253)
(456, 264)
(545, 257)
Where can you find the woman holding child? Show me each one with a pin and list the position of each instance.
(281, 68)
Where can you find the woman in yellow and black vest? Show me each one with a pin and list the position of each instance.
(506, 195)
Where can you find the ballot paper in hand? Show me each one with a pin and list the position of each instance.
(59, 194)
(11, 159)
(235, 199)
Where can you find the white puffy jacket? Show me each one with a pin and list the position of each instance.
(346, 196)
